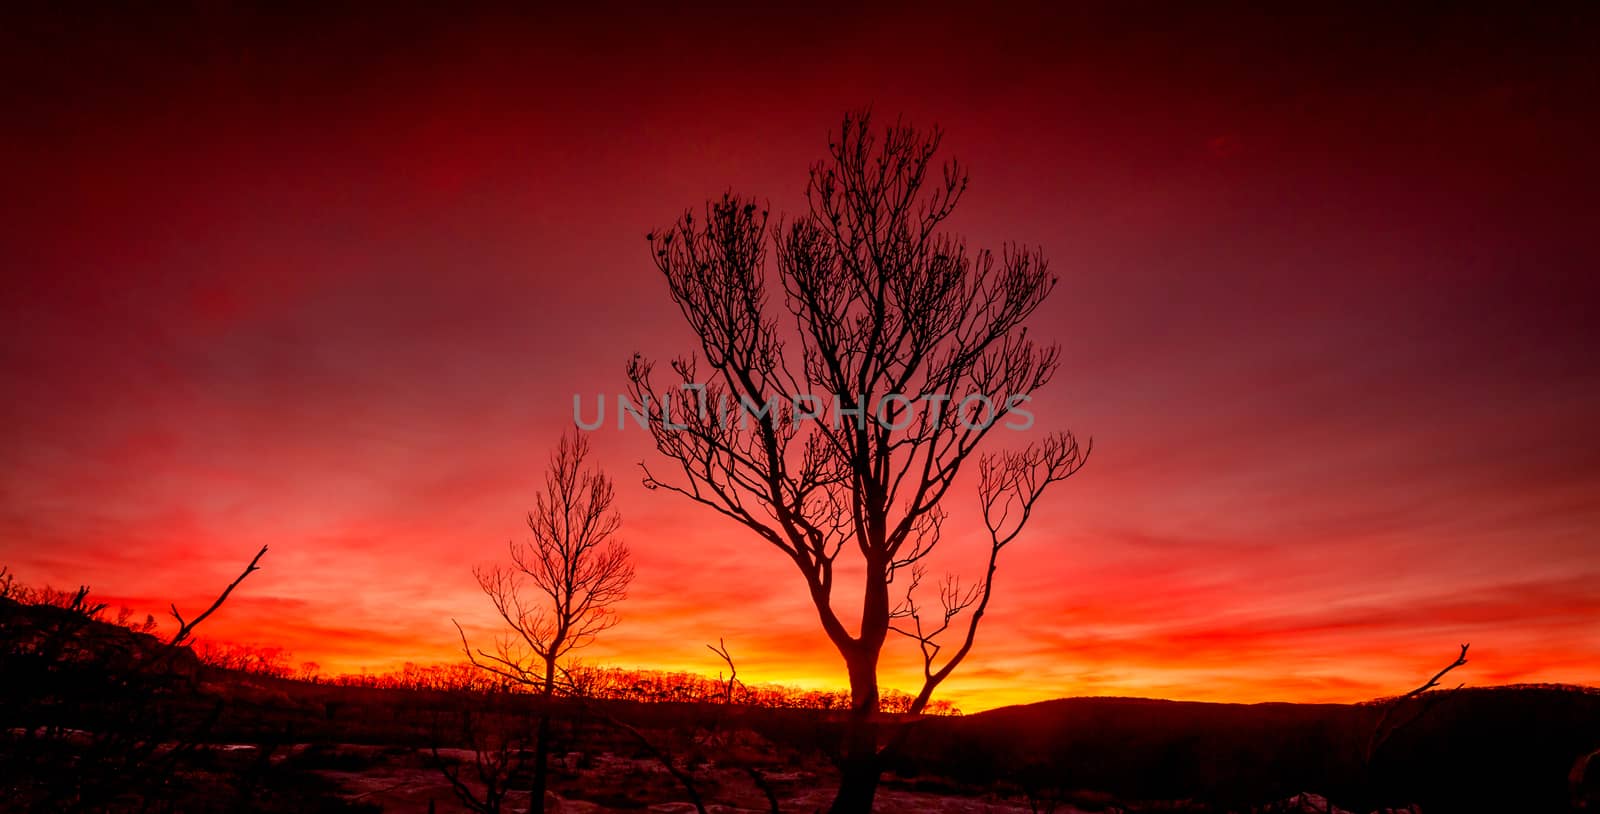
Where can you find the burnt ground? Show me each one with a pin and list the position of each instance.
(86, 723)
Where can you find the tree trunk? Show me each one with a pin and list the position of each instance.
(859, 769)
(541, 750)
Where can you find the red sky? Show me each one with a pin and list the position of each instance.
(330, 285)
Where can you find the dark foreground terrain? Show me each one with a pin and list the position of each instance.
(96, 718)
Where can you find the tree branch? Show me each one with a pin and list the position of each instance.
(186, 629)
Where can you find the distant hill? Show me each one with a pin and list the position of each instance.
(1503, 749)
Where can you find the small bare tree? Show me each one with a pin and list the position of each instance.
(559, 591)
(921, 350)
(498, 741)
(721, 649)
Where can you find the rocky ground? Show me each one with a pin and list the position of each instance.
(404, 781)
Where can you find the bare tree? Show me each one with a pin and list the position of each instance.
(499, 750)
(1389, 723)
(1009, 484)
(917, 345)
(721, 649)
(130, 747)
(754, 773)
(559, 592)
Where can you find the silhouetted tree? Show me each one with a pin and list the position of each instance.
(1400, 712)
(721, 649)
(896, 325)
(1389, 722)
(559, 591)
(84, 717)
(499, 745)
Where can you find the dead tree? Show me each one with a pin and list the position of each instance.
(559, 592)
(1009, 485)
(1388, 723)
(917, 345)
(499, 753)
(120, 680)
(1397, 713)
(721, 649)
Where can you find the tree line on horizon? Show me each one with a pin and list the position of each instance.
(605, 683)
